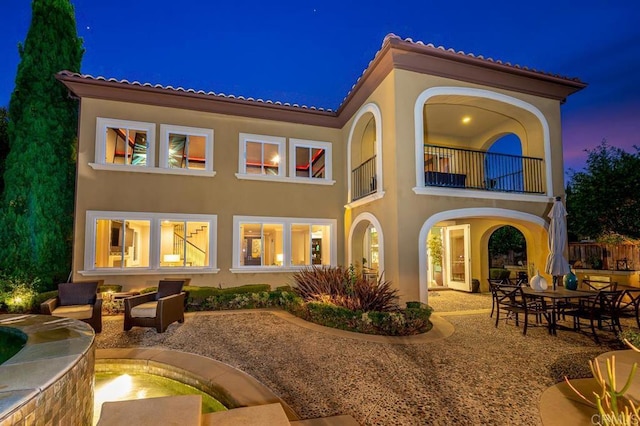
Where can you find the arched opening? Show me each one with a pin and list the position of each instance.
(504, 164)
(456, 129)
(465, 237)
(363, 153)
(508, 253)
(366, 245)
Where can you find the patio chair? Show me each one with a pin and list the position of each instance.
(492, 282)
(512, 301)
(79, 301)
(630, 304)
(596, 285)
(158, 309)
(602, 309)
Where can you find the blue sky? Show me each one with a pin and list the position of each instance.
(312, 52)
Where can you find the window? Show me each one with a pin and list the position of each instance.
(125, 143)
(184, 244)
(262, 155)
(280, 244)
(310, 159)
(186, 149)
(262, 244)
(310, 244)
(122, 242)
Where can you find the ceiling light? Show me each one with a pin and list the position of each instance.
(275, 159)
(466, 119)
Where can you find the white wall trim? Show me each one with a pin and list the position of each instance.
(485, 195)
(156, 170)
(285, 179)
(304, 143)
(154, 220)
(166, 129)
(377, 115)
(478, 93)
(249, 137)
(366, 216)
(286, 223)
(459, 214)
(101, 138)
(365, 200)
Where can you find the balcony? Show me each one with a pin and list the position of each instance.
(481, 170)
(363, 179)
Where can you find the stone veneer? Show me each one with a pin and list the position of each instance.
(49, 381)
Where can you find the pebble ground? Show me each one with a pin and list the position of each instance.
(481, 375)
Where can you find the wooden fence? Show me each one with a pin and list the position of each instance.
(618, 257)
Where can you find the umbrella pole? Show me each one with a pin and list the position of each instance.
(555, 282)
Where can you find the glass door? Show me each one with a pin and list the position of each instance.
(457, 257)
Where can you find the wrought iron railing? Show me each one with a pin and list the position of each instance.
(473, 169)
(363, 179)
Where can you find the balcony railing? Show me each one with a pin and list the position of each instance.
(472, 169)
(363, 179)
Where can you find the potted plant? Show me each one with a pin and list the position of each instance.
(435, 253)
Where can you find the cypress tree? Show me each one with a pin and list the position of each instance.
(4, 142)
(39, 177)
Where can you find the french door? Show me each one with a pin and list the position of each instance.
(457, 271)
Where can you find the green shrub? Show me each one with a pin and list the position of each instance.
(398, 323)
(331, 315)
(632, 336)
(113, 288)
(499, 273)
(17, 294)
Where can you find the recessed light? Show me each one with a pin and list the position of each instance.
(466, 119)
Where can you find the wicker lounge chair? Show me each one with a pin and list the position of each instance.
(78, 301)
(158, 309)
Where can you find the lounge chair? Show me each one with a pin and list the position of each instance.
(79, 301)
(158, 309)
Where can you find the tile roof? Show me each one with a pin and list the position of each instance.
(182, 89)
(389, 39)
(392, 37)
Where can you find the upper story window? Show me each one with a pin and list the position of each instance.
(264, 158)
(310, 159)
(262, 155)
(138, 242)
(186, 149)
(122, 142)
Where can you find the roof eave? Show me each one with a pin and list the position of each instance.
(159, 96)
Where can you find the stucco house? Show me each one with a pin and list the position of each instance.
(229, 190)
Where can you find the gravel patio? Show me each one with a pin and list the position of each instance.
(479, 375)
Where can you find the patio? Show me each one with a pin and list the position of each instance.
(478, 375)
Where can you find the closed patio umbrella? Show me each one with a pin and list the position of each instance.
(557, 265)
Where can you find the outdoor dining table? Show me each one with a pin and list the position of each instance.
(560, 293)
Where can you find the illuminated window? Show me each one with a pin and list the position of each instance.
(117, 241)
(122, 243)
(186, 148)
(310, 159)
(128, 143)
(271, 243)
(262, 155)
(184, 244)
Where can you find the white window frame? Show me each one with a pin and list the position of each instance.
(156, 220)
(303, 143)
(286, 223)
(166, 129)
(101, 143)
(242, 156)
